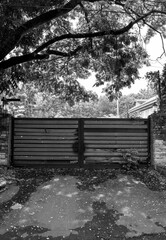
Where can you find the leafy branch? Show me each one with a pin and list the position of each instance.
(32, 56)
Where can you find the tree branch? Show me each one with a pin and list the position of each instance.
(17, 34)
(21, 59)
(33, 56)
(87, 35)
(155, 30)
(29, 57)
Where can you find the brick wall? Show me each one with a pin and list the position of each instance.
(4, 135)
(159, 138)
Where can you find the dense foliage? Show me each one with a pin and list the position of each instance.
(35, 102)
(54, 40)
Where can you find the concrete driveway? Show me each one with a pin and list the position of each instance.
(84, 205)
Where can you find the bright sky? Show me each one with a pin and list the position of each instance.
(154, 49)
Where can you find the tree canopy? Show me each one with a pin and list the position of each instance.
(64, 39)
(157, 81)
(35, 102)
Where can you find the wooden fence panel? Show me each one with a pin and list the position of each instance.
(80, 142)
(45, 141)
(108, 140)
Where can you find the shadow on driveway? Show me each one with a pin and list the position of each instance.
(84, 204)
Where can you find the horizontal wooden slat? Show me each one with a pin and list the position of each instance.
(87, 142)
(44, 138)
(110, 149)
(42, 126)
(117, 121)
(45, 131)
(63, 149)
(86, 134)
(39, 163)
(116, 138)
(44, 121)
(100, 153)
(117, 126)
(109, 159)
(45, 135)
(42, 145)
(104, 160)
(143, 134)
(45, 154)
(104, 154)
(47, 158)
(109, 154)
(109, 143)
(38, 141)
(98, 144)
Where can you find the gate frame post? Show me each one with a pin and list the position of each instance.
(81, 142)
(10, 141)
(150, 142)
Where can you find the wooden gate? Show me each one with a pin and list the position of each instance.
(79, 142)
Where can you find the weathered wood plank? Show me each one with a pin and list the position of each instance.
(110, 154)
(45, 163)
(41, 149)
(39, 163)
(117, 138)
(117, 126)
(142, 134)
(89, 143)
(105, 143)
(104, 159)
(45, 138)
(109, 143)
(118, 121)
(45, 121)
(37, 134)
(105, 148)
(42, 145)
(40, 132)
(109, 159)
(43, 127)
(45, 154)
(39, 141)
(49, 158)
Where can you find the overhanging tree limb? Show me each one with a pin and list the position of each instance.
(17, 34)
(155, 30)
(21, 59)
(29, 57)
(33, 56)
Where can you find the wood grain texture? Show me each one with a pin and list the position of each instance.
(45, 121)
(126, 134)
(46, 158)
(80, 141)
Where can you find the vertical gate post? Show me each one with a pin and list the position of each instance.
(81, 142)
(10, 140)
(150, 142)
